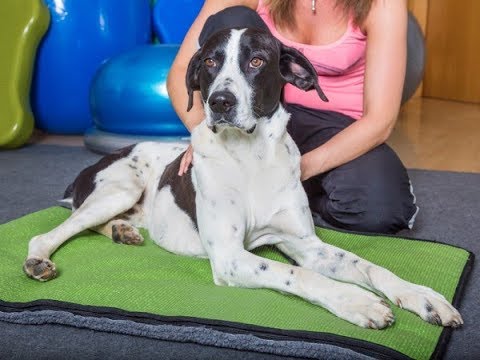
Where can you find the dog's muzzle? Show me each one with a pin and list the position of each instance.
(223, 111)
(222, 102)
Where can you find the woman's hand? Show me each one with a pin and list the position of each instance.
(312, 163)
(186, 161)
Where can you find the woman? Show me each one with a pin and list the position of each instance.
(353, 179)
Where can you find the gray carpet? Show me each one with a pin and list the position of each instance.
(33, 177)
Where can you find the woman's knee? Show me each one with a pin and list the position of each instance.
(367, 211)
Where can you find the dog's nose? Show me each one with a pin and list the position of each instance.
(222, 101)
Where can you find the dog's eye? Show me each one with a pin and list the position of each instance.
(256, 62)
(210, 62)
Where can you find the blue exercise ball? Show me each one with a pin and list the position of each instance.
(172, 19)
(129, 93)
(82, 35)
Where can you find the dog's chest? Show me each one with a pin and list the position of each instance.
(251, 179)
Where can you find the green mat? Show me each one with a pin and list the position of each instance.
(93, 271)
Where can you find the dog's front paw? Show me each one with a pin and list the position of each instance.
(126, 234)
(39, 269)
(363, 308)
(429, 305)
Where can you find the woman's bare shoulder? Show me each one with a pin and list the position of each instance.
(382, 10)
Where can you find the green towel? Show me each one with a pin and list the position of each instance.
(94, 271)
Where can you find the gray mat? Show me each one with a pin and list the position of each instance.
(33, 177)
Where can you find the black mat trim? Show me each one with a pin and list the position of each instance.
(360, 346)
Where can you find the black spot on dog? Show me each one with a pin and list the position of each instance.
(355, 261)
(333, 269)
(132, 167)
(232, 201)
(340, 255)
(428, 307)
(287, 283)
(84, 184)
(181, 187)
(135, 158)
(263, 266)
(288, 149)
(100, 180)
(270, 135)
(321, 253)
(235, 228)
(147, 165)
(291, 272)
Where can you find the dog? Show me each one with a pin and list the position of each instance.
(244, 191)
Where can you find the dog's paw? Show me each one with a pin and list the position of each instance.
(39, 269)
(126, 234)
(364, 308)
(429, 305)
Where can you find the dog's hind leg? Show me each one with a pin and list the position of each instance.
(120, 231)
(102, 205)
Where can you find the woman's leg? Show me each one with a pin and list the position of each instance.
(371, 193)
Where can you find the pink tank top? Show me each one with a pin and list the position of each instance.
(340, 67)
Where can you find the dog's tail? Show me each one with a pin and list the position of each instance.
(67, 200)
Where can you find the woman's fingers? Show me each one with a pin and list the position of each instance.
(186, 161)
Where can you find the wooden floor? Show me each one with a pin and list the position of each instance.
(429, 134)
(438, 135)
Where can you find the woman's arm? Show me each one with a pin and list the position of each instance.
(386, 27)
(176, 88)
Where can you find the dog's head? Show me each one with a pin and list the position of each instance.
(241, 73)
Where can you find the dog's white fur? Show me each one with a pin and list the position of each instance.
(248, 194)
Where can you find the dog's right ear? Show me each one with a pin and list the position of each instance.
(192, 80)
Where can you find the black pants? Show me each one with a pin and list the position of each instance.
(371, 193)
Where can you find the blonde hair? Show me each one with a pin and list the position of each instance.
(281, 11)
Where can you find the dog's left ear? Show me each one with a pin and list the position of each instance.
(191, 78)
(298, 71)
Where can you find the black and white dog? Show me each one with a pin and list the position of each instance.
(243, 191)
